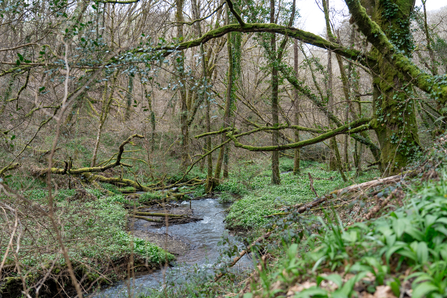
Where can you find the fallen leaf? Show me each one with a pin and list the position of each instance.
(384, 292)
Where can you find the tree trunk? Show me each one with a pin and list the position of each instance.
(223, 153)
(203, 97)
(182, 91)
(296, 156)
(275, 110)
(393, 103)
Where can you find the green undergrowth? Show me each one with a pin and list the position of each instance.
(103, 219)
(405, 250)
(260, 198)
(93, 228)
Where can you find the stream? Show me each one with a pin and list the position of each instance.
(201, 240)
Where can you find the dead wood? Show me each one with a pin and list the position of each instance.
(159, 214)
(373, 183)
(86, 172)
(73, 171)
(382, 204)
(242, 253)
(312, 185)
(300, 208)
(148, 219)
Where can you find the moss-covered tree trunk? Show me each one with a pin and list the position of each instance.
(275, 109)
(393, 104)
(182, 91)
(224, 151)
(296, 156)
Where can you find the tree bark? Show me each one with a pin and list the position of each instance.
(296, 156)
(182, 91)
(276, 179)
(393, 105)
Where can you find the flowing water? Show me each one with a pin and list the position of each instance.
(202, 238)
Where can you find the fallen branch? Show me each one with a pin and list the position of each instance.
(373, 183)
(357, 187)
(148, 219)
(379, 206)
(242, 253)
(159, 214)
(116, 181)
(79, 171)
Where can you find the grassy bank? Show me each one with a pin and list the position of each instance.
(401, 254)
(260, 199)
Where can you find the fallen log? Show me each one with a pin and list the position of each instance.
(87, 172)
(356, 187)
(159, 214)
(147, 219)
(373, 183)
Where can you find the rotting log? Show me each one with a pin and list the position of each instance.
(160, 214)
(148, 219)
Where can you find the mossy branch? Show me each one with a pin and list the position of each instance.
(358, 125)
(86, 172)
(9, 168)
(80, 171)
(211, 133)
(301, 35)
(363, 138)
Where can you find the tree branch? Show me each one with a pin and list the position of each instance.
(236, 15)
(347, 128)
(85, 170)
(119, 2)
(304, 36)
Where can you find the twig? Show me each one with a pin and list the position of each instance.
(312, 185)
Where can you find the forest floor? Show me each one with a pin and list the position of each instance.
(381, 240)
